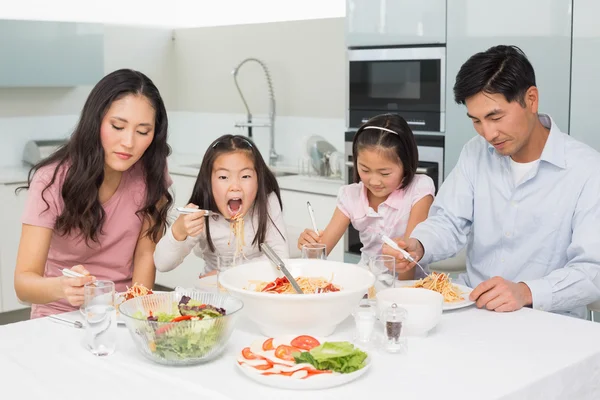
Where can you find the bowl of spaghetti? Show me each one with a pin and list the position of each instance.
(331, 292)
(424, 308)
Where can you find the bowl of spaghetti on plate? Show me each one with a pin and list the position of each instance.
(331, 292)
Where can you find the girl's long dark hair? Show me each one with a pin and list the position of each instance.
(83, 155)
(203, 197)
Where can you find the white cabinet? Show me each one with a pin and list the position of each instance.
(475, 26)
(187, 273)
(585, 79)
(11, 212)
(395, 22)
(50, 54)
(297, 219)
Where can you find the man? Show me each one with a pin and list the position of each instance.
(524, 198)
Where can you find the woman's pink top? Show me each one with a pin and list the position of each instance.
(112, 257)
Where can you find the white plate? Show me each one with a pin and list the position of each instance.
(316, 382)
(465, 291)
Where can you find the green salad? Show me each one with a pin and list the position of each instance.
(175, 339)
(340, 357)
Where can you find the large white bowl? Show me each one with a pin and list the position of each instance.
(424, 308)
(311, 314)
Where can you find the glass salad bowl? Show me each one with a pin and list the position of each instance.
(183, 327)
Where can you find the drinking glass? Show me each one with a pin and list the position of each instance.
(100, 317)
(384, 269)
(314, 251)
(226, 261)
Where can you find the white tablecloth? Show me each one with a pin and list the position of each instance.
(472, 354)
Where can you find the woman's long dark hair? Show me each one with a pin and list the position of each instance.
(83, 155)
(203, 197)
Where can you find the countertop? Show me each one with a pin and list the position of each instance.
(16, 174)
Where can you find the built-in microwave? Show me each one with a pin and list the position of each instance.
(406, 80)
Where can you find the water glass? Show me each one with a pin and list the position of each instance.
(100, 317)
(316, 251)
(384, 269)
(226, 261)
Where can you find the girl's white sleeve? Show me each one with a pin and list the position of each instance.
(170, 252)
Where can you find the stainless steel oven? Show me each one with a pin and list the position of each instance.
(431, 162)
(408, 80)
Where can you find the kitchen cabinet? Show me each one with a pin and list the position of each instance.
(50, 54)
(476, 25)
(297, 219)
(395, 22)
(11, 212)
(186, 273)
(585, 80)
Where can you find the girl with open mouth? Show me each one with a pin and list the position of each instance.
(241, 195)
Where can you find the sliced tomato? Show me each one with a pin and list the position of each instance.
(263, 367)
(285, 352)
(181, 318)
(268, 345)
(305, 342)
(249, 355)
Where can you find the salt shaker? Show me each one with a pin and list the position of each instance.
(393, 318)
(364, 318)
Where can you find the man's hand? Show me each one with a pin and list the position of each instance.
(501, 295)
(412, 246)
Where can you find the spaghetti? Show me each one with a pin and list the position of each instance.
(136, 290)
(237, 229)
(441, 283)
(307, 284)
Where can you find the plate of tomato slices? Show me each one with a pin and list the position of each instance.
(302, 362)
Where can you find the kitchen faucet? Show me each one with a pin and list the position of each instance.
(273, 156)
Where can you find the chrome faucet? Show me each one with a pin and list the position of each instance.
(273, 156)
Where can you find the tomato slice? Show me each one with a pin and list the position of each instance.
(181, 318)
(268, 345)
(285, 352)
(305, 342)
(249, 355)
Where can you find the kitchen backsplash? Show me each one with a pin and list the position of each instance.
(189, 133)
(193, 132)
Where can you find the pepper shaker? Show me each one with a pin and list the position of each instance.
(393, 319)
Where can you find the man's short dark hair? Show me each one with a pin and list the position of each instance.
(499, 70)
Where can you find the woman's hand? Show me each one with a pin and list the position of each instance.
(72, 288)
(188, 224)
(308, 236)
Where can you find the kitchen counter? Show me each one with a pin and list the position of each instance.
(16, 174)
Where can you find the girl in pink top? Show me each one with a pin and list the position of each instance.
(233, 180)
(388, 197)
(98, 204)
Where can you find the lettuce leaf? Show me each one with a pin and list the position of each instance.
(340, 357)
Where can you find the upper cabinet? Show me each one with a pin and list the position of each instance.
(395, 22)
(585, 78)
(50, 54)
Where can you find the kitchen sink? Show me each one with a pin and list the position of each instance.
(277, 173)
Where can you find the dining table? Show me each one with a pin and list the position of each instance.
(472, 354)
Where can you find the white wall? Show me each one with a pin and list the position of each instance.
(172, 13)
(51, 113)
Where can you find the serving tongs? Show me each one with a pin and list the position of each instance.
(278, 262)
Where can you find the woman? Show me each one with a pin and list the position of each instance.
(99, 204)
